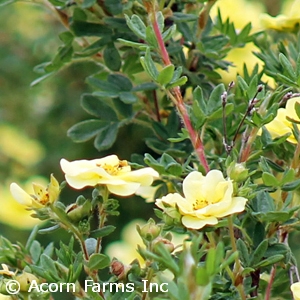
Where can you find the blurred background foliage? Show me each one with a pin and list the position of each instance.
(34, 121)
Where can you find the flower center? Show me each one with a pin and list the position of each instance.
(121, 167)
(200, 203)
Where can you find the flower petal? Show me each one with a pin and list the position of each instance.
(196, 223)
(295, 288)
(126, 189)
(20, 195)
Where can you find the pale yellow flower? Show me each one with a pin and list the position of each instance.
(206, 199)
(295, 288)
(42, 195)
(281, 125)
(110, 171)
(283, 22)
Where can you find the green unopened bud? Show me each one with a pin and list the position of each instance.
(25, 280)
(150, 230)
(237, 172)
(77, 212)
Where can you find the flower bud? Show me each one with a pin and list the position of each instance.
(237, 172)
(77, 212)
(118, 269)
(150, 230)
(25, 280)
(167, 244)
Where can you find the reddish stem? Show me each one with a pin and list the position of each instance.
(269, 287)
(176, 94)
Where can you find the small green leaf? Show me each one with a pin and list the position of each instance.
(166, 75)
(112, 58)
(181, 81)
(106, 138)
(269, 179)
(137, 26)
(287, 66)
(128, 97)
(98, 261)
(169, 33)
(202, 276)
(214, 101)
(81, 28)
(149, 65)
(243, 252)
(210, 261)
(85, 130)
(98, 108)
(269, 261)
(291, 185)
(104, 231)
(259, 252)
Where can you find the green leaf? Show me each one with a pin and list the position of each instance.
(243, 252)
(202, 276)
(149, 65)
(153, 163)
(287, 66)
(81, 28)
(210, 261)
(106, 138)
(219, 112)
(137, 26)
(198, 96)
(291, 185)
(128, 97)
(124, 109)
(259, 252)
(48, 264)
(115, 7)
(269, 261)
(35, 251)
(120, 81)
(169, 33)
(104, 231)
(42, 78)
(85, 130)
(98, 108)
(111, 88)
(151, 38)
(166, 75)
(112, 58)
(88, 3)
(147, 86)
(181, 81)
(269, 179)
(214, 101)
(140, 46)
(98, 261)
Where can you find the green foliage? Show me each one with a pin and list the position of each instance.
(155, 82)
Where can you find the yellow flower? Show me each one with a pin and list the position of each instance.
(42, 196)
(283, 22)
(207, 198)
(110, 171)
(295, 288)
(281, 125)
